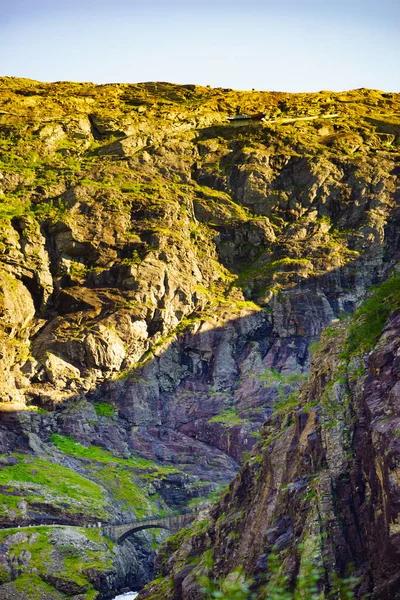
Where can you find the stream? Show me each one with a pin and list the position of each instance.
(127, 596)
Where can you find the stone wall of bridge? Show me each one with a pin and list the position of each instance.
(119, 533)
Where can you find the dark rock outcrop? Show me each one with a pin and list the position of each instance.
(324, 477)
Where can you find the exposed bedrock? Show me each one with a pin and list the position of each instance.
(324, 476)
(163, 276)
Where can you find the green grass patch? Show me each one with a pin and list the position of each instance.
(370, 318)
(227, 418)
(40, 480)
(122, 484)
(103, 409)
(286, 386)
(35, 588)
(13, 206)
(70, 446)
(126, 480)
(210, 499)
(9, 505)
(44, 554)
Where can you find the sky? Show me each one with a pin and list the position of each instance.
(282, 45)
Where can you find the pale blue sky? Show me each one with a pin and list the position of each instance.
(288, 45)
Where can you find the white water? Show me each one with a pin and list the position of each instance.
(127, 596)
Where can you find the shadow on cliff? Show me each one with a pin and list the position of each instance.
(201, 397)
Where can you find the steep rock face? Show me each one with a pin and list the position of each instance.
(163, 275)
(324, 476)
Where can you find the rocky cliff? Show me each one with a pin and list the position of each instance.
(163, 275)
(314, 513)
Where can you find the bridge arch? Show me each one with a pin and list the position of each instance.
(173, 522)
(134, 530)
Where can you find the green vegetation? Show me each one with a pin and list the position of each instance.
(226, 590)
(69, 445)
(286, 386)
(271, 377)
(78, 562)
(9, 505)
(228, 418)
(127, 490)
(370, 318)
(314, 347)
(40, 480)
(127, 480)
(35, 587)
(10, 208)
(306, 587)
(103, 409)
(359, 335)
(210, 499)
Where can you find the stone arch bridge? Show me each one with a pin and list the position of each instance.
(119, 533)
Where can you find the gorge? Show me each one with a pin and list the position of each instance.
(198, 317)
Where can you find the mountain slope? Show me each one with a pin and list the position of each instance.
(321, 489)
(163, 275)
